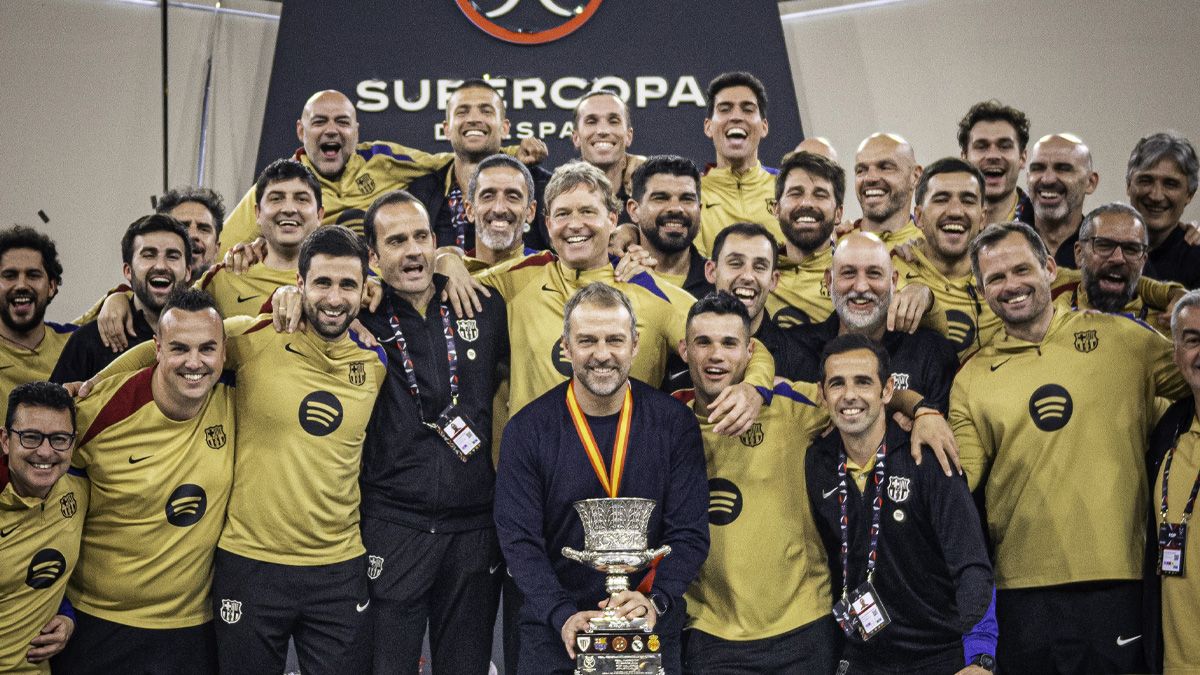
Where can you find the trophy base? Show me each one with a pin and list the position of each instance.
(606, 651)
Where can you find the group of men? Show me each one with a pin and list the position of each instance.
(369, 421)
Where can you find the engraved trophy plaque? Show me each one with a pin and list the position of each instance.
(614, 542)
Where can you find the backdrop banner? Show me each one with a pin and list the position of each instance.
(399, 61)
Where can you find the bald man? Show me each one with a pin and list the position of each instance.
(352, 174)
(1060, 178)
(818, 145)
(885, 175)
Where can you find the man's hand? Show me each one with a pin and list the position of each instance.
(635, 261)
(287, 311)
(932, 430)
(241, 256)
(577, 622)
(621, 238)
(1164, 320)
(633, 605)
(974, 670)
(51, 640)
(462, 290)
(532, 151)
(374, 294)
(732, 413)
(908, 306)
(114, 321)
(1191, 232)
(842, 229)
(364, 336)
(907, 250)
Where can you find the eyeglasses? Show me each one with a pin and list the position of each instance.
(33, 439)
(1107, 247)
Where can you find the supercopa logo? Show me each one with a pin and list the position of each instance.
(46, 567)
(724, 501)
(789, 317)
(186, 505)
(1050, 407)
(320, 413)
(528, 22)
(960, 329)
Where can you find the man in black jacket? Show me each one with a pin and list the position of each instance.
(907, 559)
(427, 476)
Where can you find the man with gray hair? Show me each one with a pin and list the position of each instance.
(1174, 459)
(602, 434)
(501, 206)
(1061, 466)
(1161, 180)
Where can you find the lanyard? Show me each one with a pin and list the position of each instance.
(611, 479)
(458, 216)
(410, 372)
(844, 521)
(1191, 502)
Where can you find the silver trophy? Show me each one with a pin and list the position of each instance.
(614, 541)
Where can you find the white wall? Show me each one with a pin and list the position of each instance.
(82, 112)
(80, 99)
(1110, 71)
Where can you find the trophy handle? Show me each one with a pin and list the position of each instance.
(577, 556)
(660, 552)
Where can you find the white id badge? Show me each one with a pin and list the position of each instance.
(455, 429)
(868, 611)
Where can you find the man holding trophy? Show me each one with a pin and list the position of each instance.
(635, 455)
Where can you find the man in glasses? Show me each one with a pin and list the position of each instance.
(41, 520)
(1110, 253)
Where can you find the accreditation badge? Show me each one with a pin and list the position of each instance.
(861, 613)
(454, 428)
(1172, 538)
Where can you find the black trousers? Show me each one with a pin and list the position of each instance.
(946, 663)
(810, 648)
(104, 648)
(1075, 628)
(449, 582)
(258, 605)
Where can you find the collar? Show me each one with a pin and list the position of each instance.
(1005, 343)
(394, 303)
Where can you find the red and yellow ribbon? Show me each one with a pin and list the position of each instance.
(610, 479)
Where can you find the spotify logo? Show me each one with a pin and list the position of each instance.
(320, 413)
(1050, 407)
(960, 329)
(45, 568)
(562, 362)
(788, 317)
(724, 501)
(186, 505)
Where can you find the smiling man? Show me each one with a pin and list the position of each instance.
(157, 448)
(602, 135)
(288, 210)
(1060, 179)
(500, 206)
(290, 557)
(557, 451)
(665, 206)
(30, 275)
(885, 175)
(156, 252)
(1036, 438)
(993, 136)
(738, 188)
(1110, 253)
(41, 545)
(1161, 180)
(202, 212)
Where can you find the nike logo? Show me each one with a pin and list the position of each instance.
(911, 275)
(1121, 642)
(5, 533)
(10, 365)
(493, 568)
(133, 460)
(288, 348)
(711, 205)
(362, 607)
(827, 495)
(248, 297)
(995, 366)
(548, 287)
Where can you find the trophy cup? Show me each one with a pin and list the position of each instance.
(614, 542)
